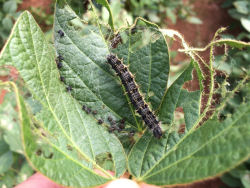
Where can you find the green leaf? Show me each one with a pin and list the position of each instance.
(25, 172)
(62, 123)
(199, 74)
(231, 181)
(85, 69)
(194, 20)
(6, 161)
(106, 5)
(8, 180)
(10, 6)
(9, 124)
(176, 97)
(236, 62)
(246, 180)
(170, 14)
(7, 23)
(245, 23)
(148, 151)
(212, 149)
(3, 146)
(145, 51)
(242, 6)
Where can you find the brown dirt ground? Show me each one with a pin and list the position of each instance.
(44, 4)
(213, 17)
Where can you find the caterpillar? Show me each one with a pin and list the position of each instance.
(135, 97)
(68, 88)
(100, 121)
(116, 40)
(61, 33)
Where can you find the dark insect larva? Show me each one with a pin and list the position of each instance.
(43, 134)
(110, 119)
(122, 124)
(69, 147)
(94, 112)
(112, 129)
(69, 88)
(38, 152)
(85, 4)
(113, 123)
(88, 110)
(132, 133)
(60, 58)
(84, 107)
(100, 121)
(116, 40)
(59, 64)
(61, 33)
(122, 121)
(136, 98)
(119, 129)
(62, 78)
(36, 125)
(50, 156)
(133, 30)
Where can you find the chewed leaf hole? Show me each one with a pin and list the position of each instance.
(179, 121)
(193, 83)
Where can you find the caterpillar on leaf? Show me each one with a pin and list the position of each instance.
(135, 97)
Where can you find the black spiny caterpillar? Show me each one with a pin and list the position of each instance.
(136, 98)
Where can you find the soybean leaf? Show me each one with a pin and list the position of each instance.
(6, 157)
(94, 83)
(145, 51)
(85, 69)
(9, 124)
(10, 7)
(167, 161)
(148, 151)
(106, 5)
(211, 149)
(65, 141)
